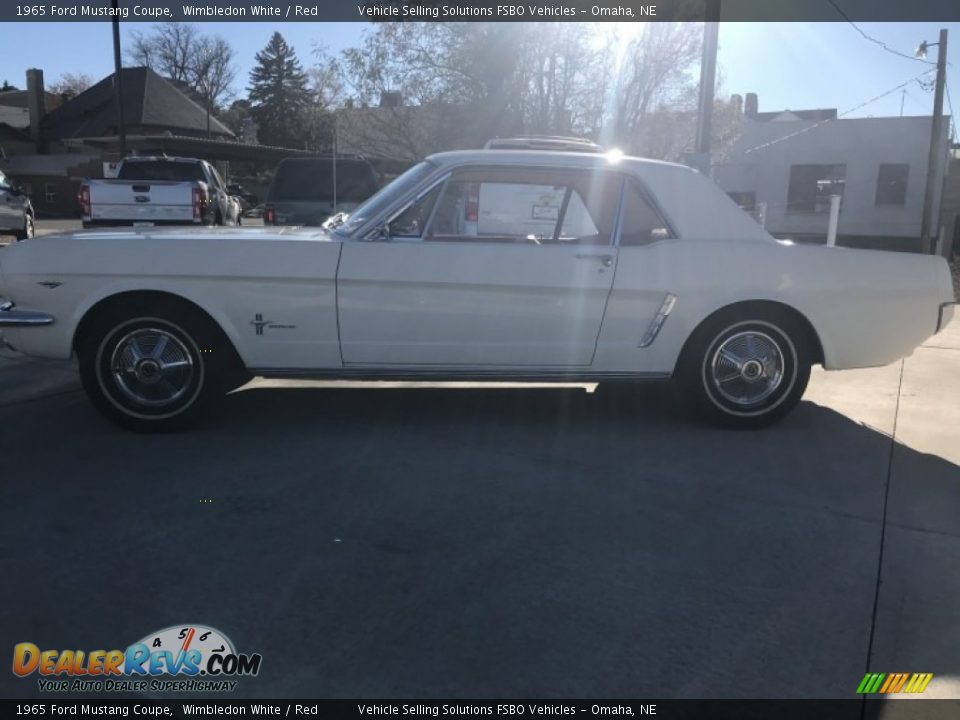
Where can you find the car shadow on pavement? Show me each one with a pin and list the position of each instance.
(428, 543)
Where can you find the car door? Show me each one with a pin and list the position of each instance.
(494, 267)
(10, 204)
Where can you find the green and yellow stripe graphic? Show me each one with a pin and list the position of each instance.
(894, 683)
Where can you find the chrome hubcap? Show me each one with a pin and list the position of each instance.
(152, 367)
(747, 368)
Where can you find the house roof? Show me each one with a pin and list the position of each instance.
(63, 165)
(784, 115)
(20, 99)
(149, 100)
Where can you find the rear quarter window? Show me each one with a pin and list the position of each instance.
(641, 222)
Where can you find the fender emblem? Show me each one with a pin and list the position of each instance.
(259, 323)
(51, 284)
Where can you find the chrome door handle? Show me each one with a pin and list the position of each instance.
(605, 259)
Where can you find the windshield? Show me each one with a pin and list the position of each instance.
(158, 170)
(312, 181)
(386, 197)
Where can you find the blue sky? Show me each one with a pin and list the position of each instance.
(789, 65)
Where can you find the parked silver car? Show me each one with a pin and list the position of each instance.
(16, 211)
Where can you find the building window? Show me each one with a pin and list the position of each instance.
(892, 184)
(745, 200)
(50, 193)
(812, 185)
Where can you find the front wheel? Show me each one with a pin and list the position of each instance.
(149, 373)
(745, 371)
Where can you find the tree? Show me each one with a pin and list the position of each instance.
(7, 87)
(71, 84)
(560, 79)
(654, 75)
(474, 81)
(204, 63)
(326, 79)
(280, 101)
(236, 115)
(454, 83)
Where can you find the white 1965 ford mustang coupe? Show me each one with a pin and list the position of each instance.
(490, 264)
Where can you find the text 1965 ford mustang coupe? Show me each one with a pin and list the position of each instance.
(485, 264)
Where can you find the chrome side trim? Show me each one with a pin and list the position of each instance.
(657, 323)
(456, 374)
(22, 318)
(940, 314)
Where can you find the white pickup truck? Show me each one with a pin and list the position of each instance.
(159, 191)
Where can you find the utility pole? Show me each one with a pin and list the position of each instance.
(708, 78)
(118, 79)
(929, 225)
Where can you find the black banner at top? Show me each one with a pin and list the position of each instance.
(481, 10)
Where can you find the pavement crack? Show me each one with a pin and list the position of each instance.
(883, 534)
(925, 531)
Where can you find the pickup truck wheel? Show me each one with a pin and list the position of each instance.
(29, 229)
(150, 373)
(745, 372)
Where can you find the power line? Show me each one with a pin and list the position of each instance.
(839, 115)
(873, 39)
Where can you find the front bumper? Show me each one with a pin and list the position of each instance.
(945, 315)
(11, 317)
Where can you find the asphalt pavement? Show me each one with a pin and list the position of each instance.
(398, 540)
(469, 542)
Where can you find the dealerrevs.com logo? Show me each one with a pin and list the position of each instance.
(180, 658)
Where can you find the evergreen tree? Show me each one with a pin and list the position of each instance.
(279, 96)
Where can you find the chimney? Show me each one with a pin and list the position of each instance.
(737, 102)
(752, 105)
(36, 101)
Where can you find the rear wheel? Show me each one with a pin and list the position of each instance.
(29, 228)
(746, 369)
(153, 370)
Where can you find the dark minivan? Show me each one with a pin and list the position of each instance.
(302, 191)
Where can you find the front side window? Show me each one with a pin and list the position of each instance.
(413, 221)
(383, 201)
(538, 207)
(216, 176)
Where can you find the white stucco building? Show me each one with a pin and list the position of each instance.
(787, 164)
